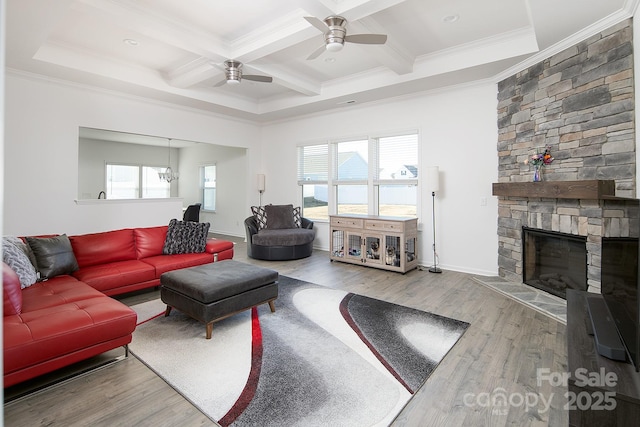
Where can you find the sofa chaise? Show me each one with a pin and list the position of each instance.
(70, 315)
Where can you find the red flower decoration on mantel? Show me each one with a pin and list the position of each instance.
(539, 160)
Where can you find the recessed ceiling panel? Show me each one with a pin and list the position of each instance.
(182, 44)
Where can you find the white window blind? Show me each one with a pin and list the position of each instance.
(396, 159)
(351, 161)
(313, 163)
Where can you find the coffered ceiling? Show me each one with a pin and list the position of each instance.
(174, 51)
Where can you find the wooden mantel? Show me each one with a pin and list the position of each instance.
(595, 189)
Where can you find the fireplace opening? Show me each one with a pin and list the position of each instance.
(554, 262)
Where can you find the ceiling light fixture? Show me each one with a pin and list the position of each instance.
(450, 19)
(168, 175)
(334, 46)
(130, 42)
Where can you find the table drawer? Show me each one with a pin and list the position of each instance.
(346, 222)
(397, 227)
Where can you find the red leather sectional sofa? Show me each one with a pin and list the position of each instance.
(69, 318)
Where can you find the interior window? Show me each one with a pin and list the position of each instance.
(208, 187)
(135, 181)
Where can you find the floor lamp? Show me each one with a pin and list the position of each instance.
(261, 183)
(433, 182)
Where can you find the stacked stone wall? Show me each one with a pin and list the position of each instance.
(580, 103)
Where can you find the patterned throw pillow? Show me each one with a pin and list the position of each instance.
(185, 237)
(260, 214)
(24, 247)
(19, 262)
(297, 217)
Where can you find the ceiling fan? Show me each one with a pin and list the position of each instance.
(233, 74)
(335, 34)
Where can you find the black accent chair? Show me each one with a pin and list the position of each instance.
(192, 213)
(279, 245)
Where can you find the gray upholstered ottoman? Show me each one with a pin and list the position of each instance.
(212, 292)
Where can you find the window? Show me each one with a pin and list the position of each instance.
(152, 186)
(313, 177)
(396, 175)
(376, 175)
(351, 174)
(134, 181)
(208, 187)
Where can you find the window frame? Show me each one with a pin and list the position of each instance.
(374, 181)
(322, 179)
(141, 188)
(203, 188)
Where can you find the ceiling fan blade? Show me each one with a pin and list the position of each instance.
(220, 83)
(319, 51)
(367, 38)
(264, 79)
(317, 23)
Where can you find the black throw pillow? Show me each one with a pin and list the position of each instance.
(185, 237)
(54, 255)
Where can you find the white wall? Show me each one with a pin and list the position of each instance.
(41, 155)
(232, 175)
(93, 155)
(458, 133)
(457, 128)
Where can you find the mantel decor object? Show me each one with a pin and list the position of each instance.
(539, 160)
(536, 174)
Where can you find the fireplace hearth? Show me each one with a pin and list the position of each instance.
(553, 261)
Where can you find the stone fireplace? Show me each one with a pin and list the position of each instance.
(579, 208)
(579, 103)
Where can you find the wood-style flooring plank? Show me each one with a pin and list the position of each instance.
(501, 350)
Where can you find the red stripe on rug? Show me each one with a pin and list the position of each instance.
(254, 375)
(151, 318)
(344, 310)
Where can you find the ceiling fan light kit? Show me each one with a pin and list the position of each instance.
(335, 35)
(233, 74)
(334, 46)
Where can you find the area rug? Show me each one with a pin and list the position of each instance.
(325, 357)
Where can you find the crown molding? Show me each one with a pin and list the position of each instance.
(627, 12)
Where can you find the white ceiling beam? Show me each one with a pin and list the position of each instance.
(193, 73)
(391, 54)
(358, 9)
(285, 78)
(273, 37)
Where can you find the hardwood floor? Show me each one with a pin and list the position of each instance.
(495, 361)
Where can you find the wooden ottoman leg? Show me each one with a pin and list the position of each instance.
(209, 330)
(272, 306)
(167, 311)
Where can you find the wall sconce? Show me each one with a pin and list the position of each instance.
(433, 184)
(261, 185)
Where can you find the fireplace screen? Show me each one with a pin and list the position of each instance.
(554, 261)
